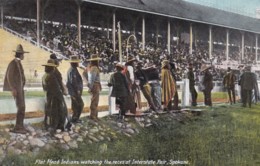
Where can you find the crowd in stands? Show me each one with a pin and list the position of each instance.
(63, 38)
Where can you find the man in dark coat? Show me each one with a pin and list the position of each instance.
(120, 89)
(176, 96)
(58, 74)
(208, 85)
(56, 108)
(145, 87)
(247, 83)
(229, 83)
(14, 81)
(154, 82)
(193, 91)
(75, 88)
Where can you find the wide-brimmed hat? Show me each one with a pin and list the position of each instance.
(165, 63)
(140, 63)
(120, 65)
(149, 66)
(204, 67)
(94, 57)
(131, 59)
(19, 49)
(248, 68)
(74, 59)
(51, 63)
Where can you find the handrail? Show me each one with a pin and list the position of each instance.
(34, 42)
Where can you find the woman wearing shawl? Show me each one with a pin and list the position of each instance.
(168, 85)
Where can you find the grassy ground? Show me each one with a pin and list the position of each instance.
(221, 136)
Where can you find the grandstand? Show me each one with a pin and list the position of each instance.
(160, 29)
(32, 61)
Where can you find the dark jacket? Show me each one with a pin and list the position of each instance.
(247, 81)
(152, 74)
(120, 86)
(14, 77)
(229, 80)
(141, 76)
(74, 82)
(191, 77)
(208, 81)
(55, 107)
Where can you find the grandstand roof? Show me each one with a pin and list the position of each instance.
(187, 11)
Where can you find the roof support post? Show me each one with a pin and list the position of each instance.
(38, 21)
(107, 28)
(2, 16)
(210, 42)
(79, 24)
(157, 34)
(169, 37)
(256, 47)
(114, 31)
(143, 33)
(191, 39)
(243, 46)
(227, 44)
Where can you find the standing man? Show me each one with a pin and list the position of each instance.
(247, 83)
(168, 85)
(55, 109)
(14, 82)
(144, 85)
(120, 89)
(134, 87)
(153, 78)
(94, 85)
(207, 82)
(191, 77)
(229, 83)
(58, 74)
(75, 88)
(176, 96)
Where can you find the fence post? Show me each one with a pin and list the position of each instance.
(112, 103)
(186, 93)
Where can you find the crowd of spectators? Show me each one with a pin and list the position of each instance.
(63, 38)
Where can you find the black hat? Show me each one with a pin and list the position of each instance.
(53, 56)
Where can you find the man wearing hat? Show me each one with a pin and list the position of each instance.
(75, 88)
(55, 110)
(94, 85)
(120, 89)
(58, 74)
(229, 83)
(144, 85)
(167, 84)
(134, 88)
(247, 83)
(207, 83)
(14, 81)
(191, 77)
(153, 79)
(176, 96)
